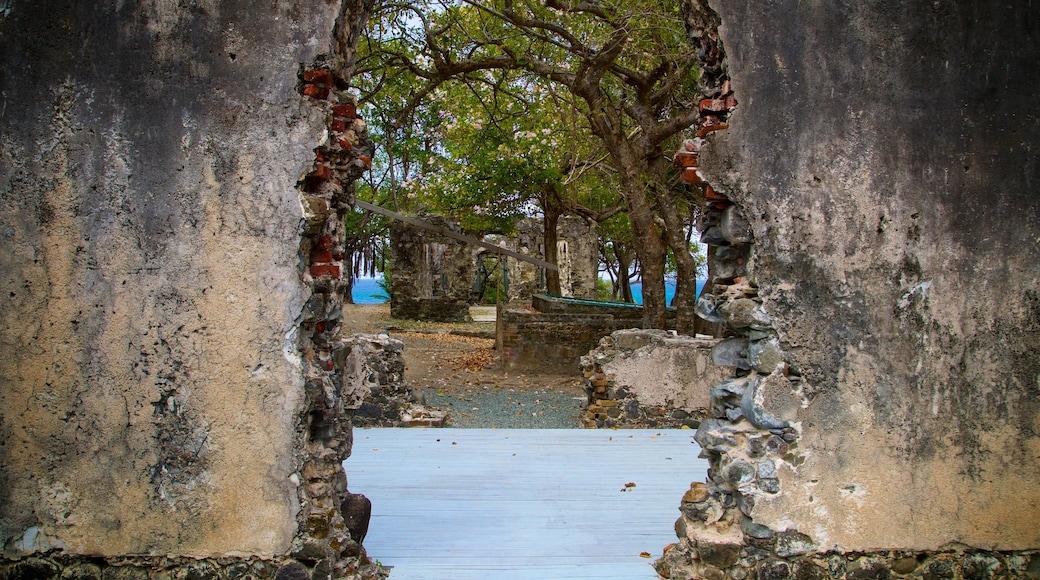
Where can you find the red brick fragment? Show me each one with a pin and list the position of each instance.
(338, 125)
(345, 111)
(685, 159)
(321, 171)
(345, 143)
(324, 243)
(710, 193)
(317, 83)
(690, 176)
(317, 92)
(319, 270)
(713, 106)
(321, 256)
(710, 125)
(366, 160)
(318, 75)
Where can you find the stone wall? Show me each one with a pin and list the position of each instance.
(577, 251)
(158, 295)
(639, 378)
(556, 333)
(549, 341)
(433, 275)
(882, 156)
(525, 279)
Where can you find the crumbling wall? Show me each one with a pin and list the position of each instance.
(374, 369)
(152, 399)
(556, 332)
(882, 157)
(433, 275)
(639, 378)
(526, 279)
(577, 252)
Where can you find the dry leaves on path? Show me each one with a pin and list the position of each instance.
(474, 361)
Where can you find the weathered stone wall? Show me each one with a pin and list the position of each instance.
(152, 398)
(577, 252)
(648, 378)
(559, 331)
(883, 155)
(550, 341)
(526, 279)
(433, 275)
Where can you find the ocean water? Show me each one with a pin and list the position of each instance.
(669, 291)
(367, 291)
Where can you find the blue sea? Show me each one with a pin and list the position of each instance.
(367, 291)
(669, 291)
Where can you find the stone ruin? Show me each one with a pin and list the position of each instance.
(171, 397)
(433, 275)
(648, 379)
(577, 254)
(375, 366)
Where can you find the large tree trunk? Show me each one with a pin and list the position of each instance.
(685, 302)
(649, 248)
(624, 280)
(549, 237)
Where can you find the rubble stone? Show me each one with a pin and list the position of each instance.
(653, 378)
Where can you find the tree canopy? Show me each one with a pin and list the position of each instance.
(489, 109)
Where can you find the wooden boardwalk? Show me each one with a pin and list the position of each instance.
(540, 504)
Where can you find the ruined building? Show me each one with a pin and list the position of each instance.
(171, 385)
(436, 277)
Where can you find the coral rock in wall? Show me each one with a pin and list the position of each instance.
(153, 408)
(881, 421)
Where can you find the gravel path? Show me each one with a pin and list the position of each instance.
(505, 408)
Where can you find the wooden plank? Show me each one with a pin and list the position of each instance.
(453, 234)
(513, 503)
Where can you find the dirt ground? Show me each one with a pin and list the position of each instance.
(438, 358)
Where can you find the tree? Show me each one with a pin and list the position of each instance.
(633, 76)
(505, 144)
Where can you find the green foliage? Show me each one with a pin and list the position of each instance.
(491, 110)
(604, 290)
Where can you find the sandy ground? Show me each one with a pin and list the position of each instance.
(435, 359)
(462, 374)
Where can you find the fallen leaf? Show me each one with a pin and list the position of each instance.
(630, 484)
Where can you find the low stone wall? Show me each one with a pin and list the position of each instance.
(430, 309)
(745, 562)
(550, 341)
(374, 369)
(556, 332)
(648, 378)
(171, 567)
(618, 310)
